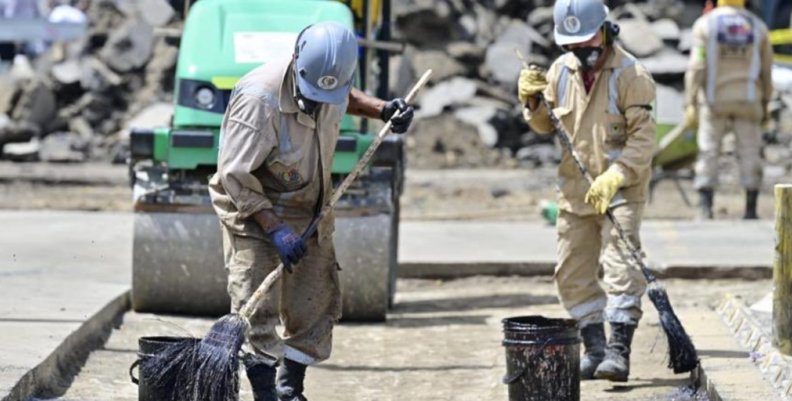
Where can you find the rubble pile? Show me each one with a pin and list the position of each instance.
(471, 116)
(71, 103)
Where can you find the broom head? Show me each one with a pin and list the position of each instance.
(681, 351)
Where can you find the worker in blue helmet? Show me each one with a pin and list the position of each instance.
(277, 142)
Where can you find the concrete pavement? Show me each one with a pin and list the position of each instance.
(682, 249)
(64, 279)
(65, 275)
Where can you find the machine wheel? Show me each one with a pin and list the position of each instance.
(366, 252)
(177, 264)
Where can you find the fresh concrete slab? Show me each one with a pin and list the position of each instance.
(718, 249)
(64, 281)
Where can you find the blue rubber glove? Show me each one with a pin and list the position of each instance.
(400, 123)
(291, 247)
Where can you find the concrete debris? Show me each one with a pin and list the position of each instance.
(667, 30)
(667, 62)
(83, 93)
(452, 92)
(639, 38)
(129, 47)
(501, 61)
(470, 45)
(64, 147)
(22, 151)
(442, 65)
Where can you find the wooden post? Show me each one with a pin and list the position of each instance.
(782, 270)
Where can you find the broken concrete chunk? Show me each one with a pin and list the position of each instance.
(454, 91)
(442, 65)
(64, 147)
(501, 61)
(666, 62)
(156, 13)
(129, 47)
(667, 30)
(638, 37)
(21, 151)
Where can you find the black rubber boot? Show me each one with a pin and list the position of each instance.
(751, 197)
(706, 197)
(261, 373)
(290, 381)
(594, 343)
(616, 365)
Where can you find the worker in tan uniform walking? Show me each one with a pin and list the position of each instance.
(728, 86)
(277, 142)
(603, 98)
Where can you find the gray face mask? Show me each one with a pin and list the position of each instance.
(588, 56)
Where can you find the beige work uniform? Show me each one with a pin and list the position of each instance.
(274, 157)
(729, 77)
(611, 128)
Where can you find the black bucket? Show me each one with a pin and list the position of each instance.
(151, 388)
(542, 359)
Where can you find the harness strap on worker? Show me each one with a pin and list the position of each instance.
(712, 60)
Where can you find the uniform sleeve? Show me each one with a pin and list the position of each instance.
(766, 74)
(248, 137)
(637, 89)
(538, 119)
(697, 67)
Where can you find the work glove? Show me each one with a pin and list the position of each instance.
(400, 123)
(532, 82)
(691, 116)
(291, 247)
(603, 189)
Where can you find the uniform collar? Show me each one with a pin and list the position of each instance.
(614, 60)
(286, 102)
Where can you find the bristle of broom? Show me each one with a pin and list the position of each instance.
(205, 370)
(216, 363)
(682, 353)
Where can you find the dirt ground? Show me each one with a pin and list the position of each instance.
(441, 342)
(454, 194)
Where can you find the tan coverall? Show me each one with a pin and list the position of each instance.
(729, 77)
(274, 157)
(611, 127)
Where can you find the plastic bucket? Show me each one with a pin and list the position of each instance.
(150, 387)
(542, 359)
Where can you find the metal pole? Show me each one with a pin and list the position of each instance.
(782, 270)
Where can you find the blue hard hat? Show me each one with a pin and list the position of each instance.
(577, 21)
(325, 62)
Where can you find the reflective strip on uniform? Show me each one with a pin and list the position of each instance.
(613, 85)
(562, 86)
(753, 73)
(712, 59)
(587, 308)
(623, 309)
(293, 354)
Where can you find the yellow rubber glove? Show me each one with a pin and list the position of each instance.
(531, 83)
(691, 116)
(603, 189)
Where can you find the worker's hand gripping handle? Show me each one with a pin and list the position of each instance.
(276, 274)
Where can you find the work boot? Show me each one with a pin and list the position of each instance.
(290, 381)
(751, 196)
(594, 343)
(706, 196)
(261, 373)
(616, 365)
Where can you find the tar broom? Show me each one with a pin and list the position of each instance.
(207, 370)
(681, 352)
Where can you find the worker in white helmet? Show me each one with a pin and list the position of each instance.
(603, 97)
